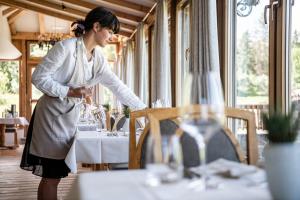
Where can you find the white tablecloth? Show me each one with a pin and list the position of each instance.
(130, 185)
(96, 147)
(16, 120)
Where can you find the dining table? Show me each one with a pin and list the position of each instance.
(98, 147)
(245, 183)
(10, 121)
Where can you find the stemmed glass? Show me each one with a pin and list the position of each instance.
(167, 167)
(202, 117)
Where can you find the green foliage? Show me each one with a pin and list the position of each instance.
(296, 66)
(282, 127)
(106, 106)
(252, 63)
(126, 111)
(9, 80)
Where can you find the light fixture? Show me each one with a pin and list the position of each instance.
(49, 39)
(7, 50)
(244, 7)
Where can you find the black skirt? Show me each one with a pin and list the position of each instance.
(44, 167)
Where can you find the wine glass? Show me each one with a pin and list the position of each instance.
(167, 166)
(202, 117)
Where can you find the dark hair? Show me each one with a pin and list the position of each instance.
(99, 14)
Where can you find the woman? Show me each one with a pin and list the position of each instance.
(65, 76)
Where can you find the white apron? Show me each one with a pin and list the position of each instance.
(55, 120)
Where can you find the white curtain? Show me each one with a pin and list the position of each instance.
(129, 65)
(161, 83)
(204, 57)
(141, 65)
(118, 71)
(98, 96)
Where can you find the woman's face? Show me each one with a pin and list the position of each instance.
(103, 36)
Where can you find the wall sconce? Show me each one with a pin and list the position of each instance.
(244, 7)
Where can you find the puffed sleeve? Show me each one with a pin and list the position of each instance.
(107, 78)
(42, 77)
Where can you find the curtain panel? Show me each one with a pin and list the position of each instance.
(141, 65)
(204, 57)
(128, 65)
(161, 83)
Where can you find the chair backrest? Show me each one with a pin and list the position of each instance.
(136, 149)
(119, 123)
(168, 127)
(225, 138)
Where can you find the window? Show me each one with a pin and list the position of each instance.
(183, 50)
(294, 47)
(248, 65)
(110, 53)
(38, 50)
(9, 85)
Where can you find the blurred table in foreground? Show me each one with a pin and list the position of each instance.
(131, 185)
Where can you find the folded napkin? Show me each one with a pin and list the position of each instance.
(231, 169)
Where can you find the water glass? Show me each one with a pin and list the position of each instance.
(163, 160)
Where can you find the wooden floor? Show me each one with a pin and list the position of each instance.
(18, 184)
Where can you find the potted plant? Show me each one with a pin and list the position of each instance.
(126, 113)
(282, 154)
(106, 107)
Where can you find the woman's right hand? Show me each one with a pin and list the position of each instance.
(81, 92)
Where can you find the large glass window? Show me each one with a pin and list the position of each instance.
(295, 53)
(9, 85)
(110, 53)
(249, 63)
(38, 50)
(183, 50)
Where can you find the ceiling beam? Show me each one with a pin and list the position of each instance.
(30, 36)
(11, 18)
(130, 5)
(119, 14)
(8, 10)
(41, 23)
(127, 34)
(37, 9)
(58, 7)
(127, 26)
(35, 35)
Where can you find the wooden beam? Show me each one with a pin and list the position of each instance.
(173, 52)
(11, 18)
(41, 23)
(37, 9)
(127, 34)
(8, 10)
(30, 36)
(129, 5)
(25, 36)
(13, 29)
(119, 14)
(127, 26)
(126, 30)
(58, 7)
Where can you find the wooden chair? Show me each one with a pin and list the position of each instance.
(120, 122)
(136, 148)
(234, 113)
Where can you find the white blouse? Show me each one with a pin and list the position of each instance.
(56, 69)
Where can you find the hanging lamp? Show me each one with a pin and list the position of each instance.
(7, 50)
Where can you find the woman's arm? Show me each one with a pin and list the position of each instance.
(42, 77)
